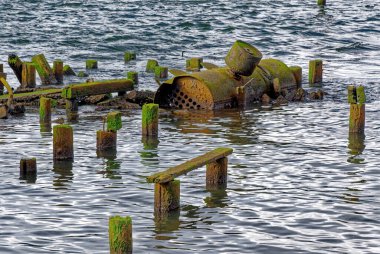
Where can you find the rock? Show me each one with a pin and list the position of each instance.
(119, 106)
(82, 74)
(265, 99)
(3, 112)
(140, 97)
(280, 101)
(289, 95)
(60, 120)
(17, 109)
(316, 95)
(300, 95)
(95, 99)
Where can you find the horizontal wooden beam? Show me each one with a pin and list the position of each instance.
(98, 87)
(173, 172)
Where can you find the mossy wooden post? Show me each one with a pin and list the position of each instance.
(166, 196)
(16, 65)
(134, 76)
(315, 71)
(63, 142)
(106, 140)
(150, 120)
(44, 70)
(28, 77)
(58, 70)
(91, 64)
(1, 68)
(28, 169)
(297, 72)
(321, 2)
(161, 72)
(151, 65)
(357, 99)
(120, 234)
(129, 55)
(194, 64)
(114, 122)
(45, 110)
(68, 71)
(216, 173)
(72, 109)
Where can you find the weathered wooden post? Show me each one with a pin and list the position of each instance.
(44, 70)
(45, 110)
(161, 72)
(91, 64)
(166, 196)
(321, 2)
(68, 71)
(28, 169)
(16, 65)
(194, 64)
(150, 120)
(315, 71)
(120, 234)
(1, 68)
(58, 70)
(357, 99)
(63, 148)
(106, 140)
(129, 55)
(72, 110)
(28, 77)
(297, 72)
(134, 76)
(216, 173)
(151, 65)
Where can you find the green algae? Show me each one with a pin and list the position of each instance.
(149, 114)
(45, 110)
(91, 64)
(360, 95)
(114, 122)
(161, 72)
(120, 234)
(129, 55)
(67, 70)
(151, 65)
(133, 75)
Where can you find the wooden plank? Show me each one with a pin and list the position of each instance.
(98, 87)
(173, 172)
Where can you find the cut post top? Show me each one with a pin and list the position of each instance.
(171, 173)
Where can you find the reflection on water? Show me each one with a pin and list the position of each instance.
(166, 223)
(63, 175)
(218, 197)
(356, 147)
(149, 154)
(111, 164)
(45, 128)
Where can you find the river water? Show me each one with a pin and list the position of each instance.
(295, 182)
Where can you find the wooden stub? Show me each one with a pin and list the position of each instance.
(44, 70)
(150, 65)
(166, 196)
(63, 148)
(28, 168)
(28, 77)
(91, 64)
(194, 64)
(321, 2)
(16, 65)
(114, 122)
(216, 173)
(357, 99)
(106, 140)
(129, 55)
(72, 109)
(161, 72)
(134, 76)
(45, 110)
(98, 87)
(120, 234)
(171, 173)
(68, 71)
(315, 71)
(58, 70)
(150, 120)
(297, 72)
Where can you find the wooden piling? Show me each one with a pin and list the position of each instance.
(28, 168)
(45, 110)
(68, 71)
(58, 70)
(28, 77)
(1, 68)
(72, 109)
(321, 2)
(194, 64)
(44, 70)
(63, 148)
(297, 72)
(91, 64)
(106, 140)
(150, 65)
(129, 55)
(150, 120)
(357, 99)
(166, 196)
(114, 122)
(4, 76)
(161, 72)
(216, 173)
(120, 234)
(315, 71)
(134, 76)
(16, 65)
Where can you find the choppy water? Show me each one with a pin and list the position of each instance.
(294, 184)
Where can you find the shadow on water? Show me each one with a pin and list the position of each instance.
(63, 174)
(112, 166)
(356, 147)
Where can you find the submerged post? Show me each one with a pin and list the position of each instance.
(315, 71)
(150, 120)
(129, 55)
(28, 168)
(45, 110)
(120, 234)
(321, 2)
(58, 70)
(357, 99)
(166, 196)
(63, 148)
(216, 173)
(28, 77)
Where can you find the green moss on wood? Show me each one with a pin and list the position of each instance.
(129, 55)
(351, 94)
(315, 71)
(82, 74)
(194, 63)
(161, 72)
(91, 64)
(149, 114)
(120, 234)
(114, 122)
(360, 95)
(45, 110)
(134, 76)
(321, 2)
(43, 69)
(67, 70)
(150, 65)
